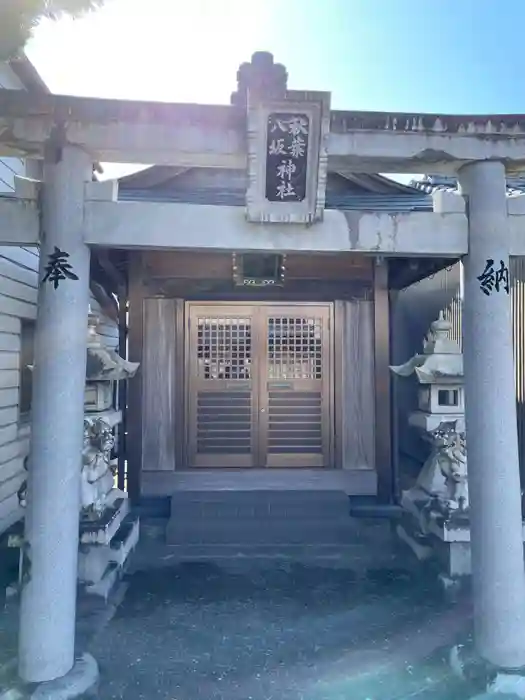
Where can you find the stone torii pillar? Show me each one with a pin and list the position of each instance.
(498, 576)
(47, 618)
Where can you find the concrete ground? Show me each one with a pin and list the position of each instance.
(275, 631)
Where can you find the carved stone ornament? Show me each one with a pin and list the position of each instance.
(97, 477)
(450, 457)
(261, 78)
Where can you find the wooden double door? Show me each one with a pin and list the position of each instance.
(259, 385)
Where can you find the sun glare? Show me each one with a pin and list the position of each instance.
(163, 50)
(155, 50)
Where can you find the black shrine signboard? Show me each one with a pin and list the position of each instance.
(287, 156)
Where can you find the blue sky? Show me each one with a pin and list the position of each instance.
(450, 56)
(462, 56)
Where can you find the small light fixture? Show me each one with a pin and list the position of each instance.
(258, 269)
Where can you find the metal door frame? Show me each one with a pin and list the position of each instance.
(305, 460)
(259, 352)
(210, 462)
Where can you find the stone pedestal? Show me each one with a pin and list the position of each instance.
(108, 532)
(437, 538)
(441, 541)
(105, 547)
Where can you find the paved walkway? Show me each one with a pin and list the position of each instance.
(278, 631)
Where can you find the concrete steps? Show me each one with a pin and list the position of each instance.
(265, 521)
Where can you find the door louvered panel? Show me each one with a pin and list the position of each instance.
(295, 397)
(224, 422)
(295, 422)
(221, 396)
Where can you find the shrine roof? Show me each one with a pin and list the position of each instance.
(349, 191)
(345, 202)
(432, 183)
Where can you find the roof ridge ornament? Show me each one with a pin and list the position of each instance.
(260, 78)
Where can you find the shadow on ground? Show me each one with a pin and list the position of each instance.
(268, 631)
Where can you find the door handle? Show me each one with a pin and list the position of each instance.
(263, 410)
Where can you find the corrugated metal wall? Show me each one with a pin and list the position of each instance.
(453, 314)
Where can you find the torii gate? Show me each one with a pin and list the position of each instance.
(71, 213)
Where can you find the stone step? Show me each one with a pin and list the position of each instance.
(311, 497)
(286, 531)
(329, 552)
(262, 517)
(262, 530)
(362, 560)
(102, 530)
(106, 584)
(125, 540)
(94, 559)
(259, 504)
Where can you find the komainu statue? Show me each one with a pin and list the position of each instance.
(452, 459)
(97, 477)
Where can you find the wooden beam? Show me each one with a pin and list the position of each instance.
(19, 222)
(383, 412)
(122, 387)
(114, 274)
(135, 352)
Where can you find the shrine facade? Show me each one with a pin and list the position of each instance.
(257, 266)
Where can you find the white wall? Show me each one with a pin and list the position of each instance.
(18, 296)
(17, 300)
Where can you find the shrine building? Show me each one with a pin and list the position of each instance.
(264, 274)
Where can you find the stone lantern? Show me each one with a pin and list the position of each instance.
(435, 520)
(108, 531)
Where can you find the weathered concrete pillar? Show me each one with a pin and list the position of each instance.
(498, 576)
(47, 619)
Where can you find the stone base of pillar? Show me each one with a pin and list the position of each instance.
(509, 684)
(78, 683)
(489, 681)
(436, 540)
(82, 679)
